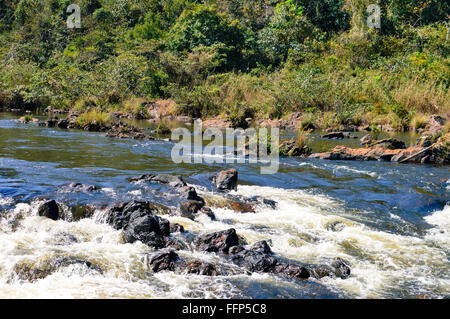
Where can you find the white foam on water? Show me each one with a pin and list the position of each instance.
(441, 232)
(4, 201)
(299, 229)
(352, 170)
(109, 191)
(124, 272)
(136, 192)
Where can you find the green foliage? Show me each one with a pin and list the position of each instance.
(287, 30)
(375, 132)
(239, 58)
(328, 15)
(205, 26)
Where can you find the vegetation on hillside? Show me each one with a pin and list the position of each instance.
(237, 58)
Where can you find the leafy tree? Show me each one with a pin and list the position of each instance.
(419, 12)
(287, 30)
(328, 15)
(206, 26)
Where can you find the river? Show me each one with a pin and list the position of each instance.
(394, 220)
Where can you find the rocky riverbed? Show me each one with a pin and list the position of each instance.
(83, 215)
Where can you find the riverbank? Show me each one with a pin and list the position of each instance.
(432, 146)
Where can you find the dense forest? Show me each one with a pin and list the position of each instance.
(234, 58)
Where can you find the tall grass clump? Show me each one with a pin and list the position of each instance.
(94, 117)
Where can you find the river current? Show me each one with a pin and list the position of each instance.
(390, 221)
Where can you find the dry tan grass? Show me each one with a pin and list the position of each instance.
(418, 121)
(422, 97)
(302, 137)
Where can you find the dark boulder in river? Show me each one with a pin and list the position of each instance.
(51, 123)
(63, 124)
(140, 223)
(254, 260)
(262, 246)
(218, 242)
(170, 261)
(50, 209)
(341, 268)
(164, 261)
(191, 204)
(191, 194)
(190, 209)
(226, 180)
(176, 228)
(259, 259)
(292, 271)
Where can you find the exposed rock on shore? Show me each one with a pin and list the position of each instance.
(78, 187)
(290, 148)
(122, 130)
(394, 151)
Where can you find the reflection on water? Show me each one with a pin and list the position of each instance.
(391, 221)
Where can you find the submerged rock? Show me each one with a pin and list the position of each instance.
(79, 212)
(171, 180)
(64, 238)
(204, 269)
(28, 270)
(208, 212)
(78, 187)
(190, 209)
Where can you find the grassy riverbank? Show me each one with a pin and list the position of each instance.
(235, 59)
